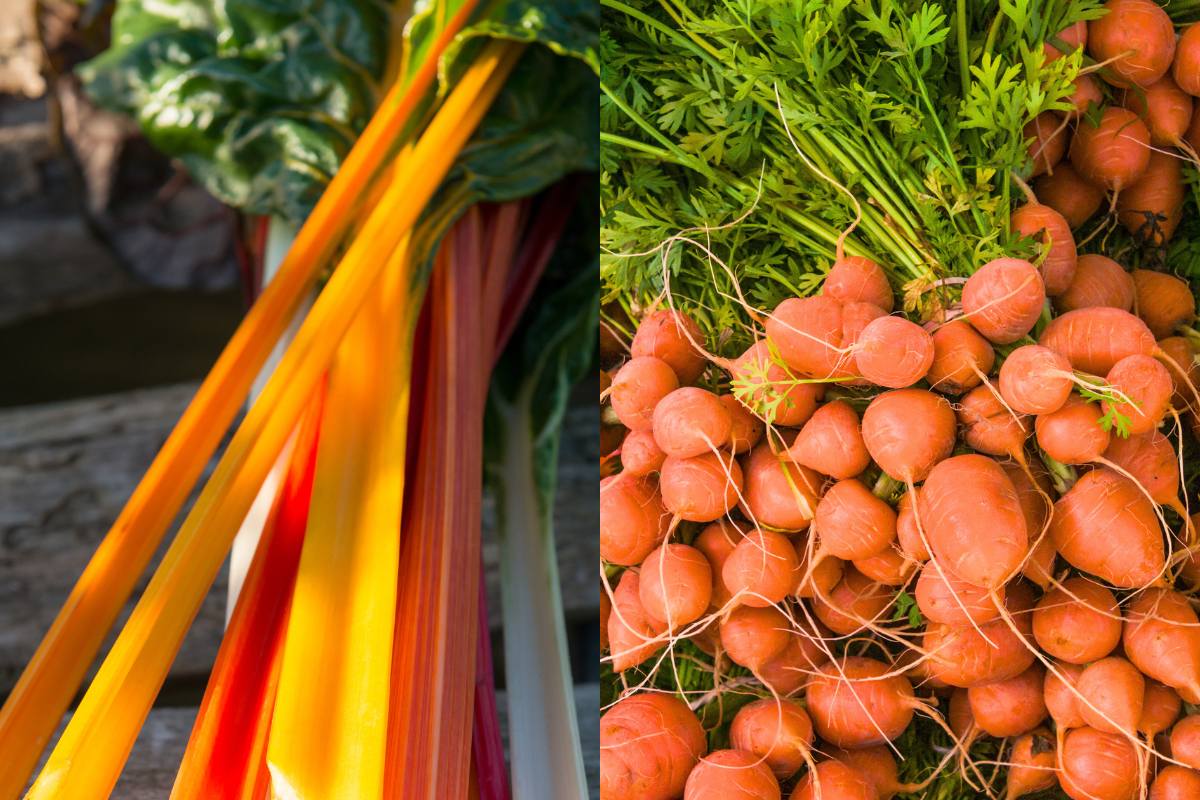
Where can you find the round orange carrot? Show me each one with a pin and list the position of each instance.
(648, 744)
(1069, 194)
(1137, 37)
(960, 357)
(831, 442)
(1098, 281)
(1152, 208)
(702, 488)
(893, 352)
(675, 584)
(1004, 299)
(632, 519)
(779, 732)
(753, 636)
(1164, 302)
(778, 493)
(1114, 153)
(638, 387)
(669, 335)
(1009, 707)
(762, 570)
(731, 775)
(1130, 553)
(855, 279)
(690, 422)
(855, 702)
(1048, 141)
(889, 424)
(1078, 622)
(1053, 233)
(770, 391)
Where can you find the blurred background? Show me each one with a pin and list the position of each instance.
(118, 272)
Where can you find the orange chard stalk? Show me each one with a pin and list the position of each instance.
(429, 752)
(439, 623)
(226, 754)
(50, 680)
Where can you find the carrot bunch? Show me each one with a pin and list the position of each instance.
(865, 534)
(1122, 148)
(978, 518)
(776, 513)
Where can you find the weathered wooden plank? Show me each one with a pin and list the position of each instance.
(150, 771)
(66, 469)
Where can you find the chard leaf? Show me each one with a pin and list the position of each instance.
(260, 100)
(568, 28)
(539, 130)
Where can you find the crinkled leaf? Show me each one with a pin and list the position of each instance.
(539, 130)
(542, 126)
(569, 28)
(260, 99)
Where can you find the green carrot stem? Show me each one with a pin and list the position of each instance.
(886, 486)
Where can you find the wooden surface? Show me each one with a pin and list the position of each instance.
(150, 771)
(67, 468)
(65, 471)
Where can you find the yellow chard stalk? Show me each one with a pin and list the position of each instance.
(329, 730)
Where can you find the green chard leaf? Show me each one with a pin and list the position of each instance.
(260, 100)
(537, 131)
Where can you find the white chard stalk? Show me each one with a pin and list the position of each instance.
(527, 403)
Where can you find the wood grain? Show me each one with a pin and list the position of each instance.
(67, 468)
(150, 771)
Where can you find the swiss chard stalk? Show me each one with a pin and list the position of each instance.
(92, 750)
(226, 752)
(44, 691)
(526, 406)
(328, 731)
(434, 675)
